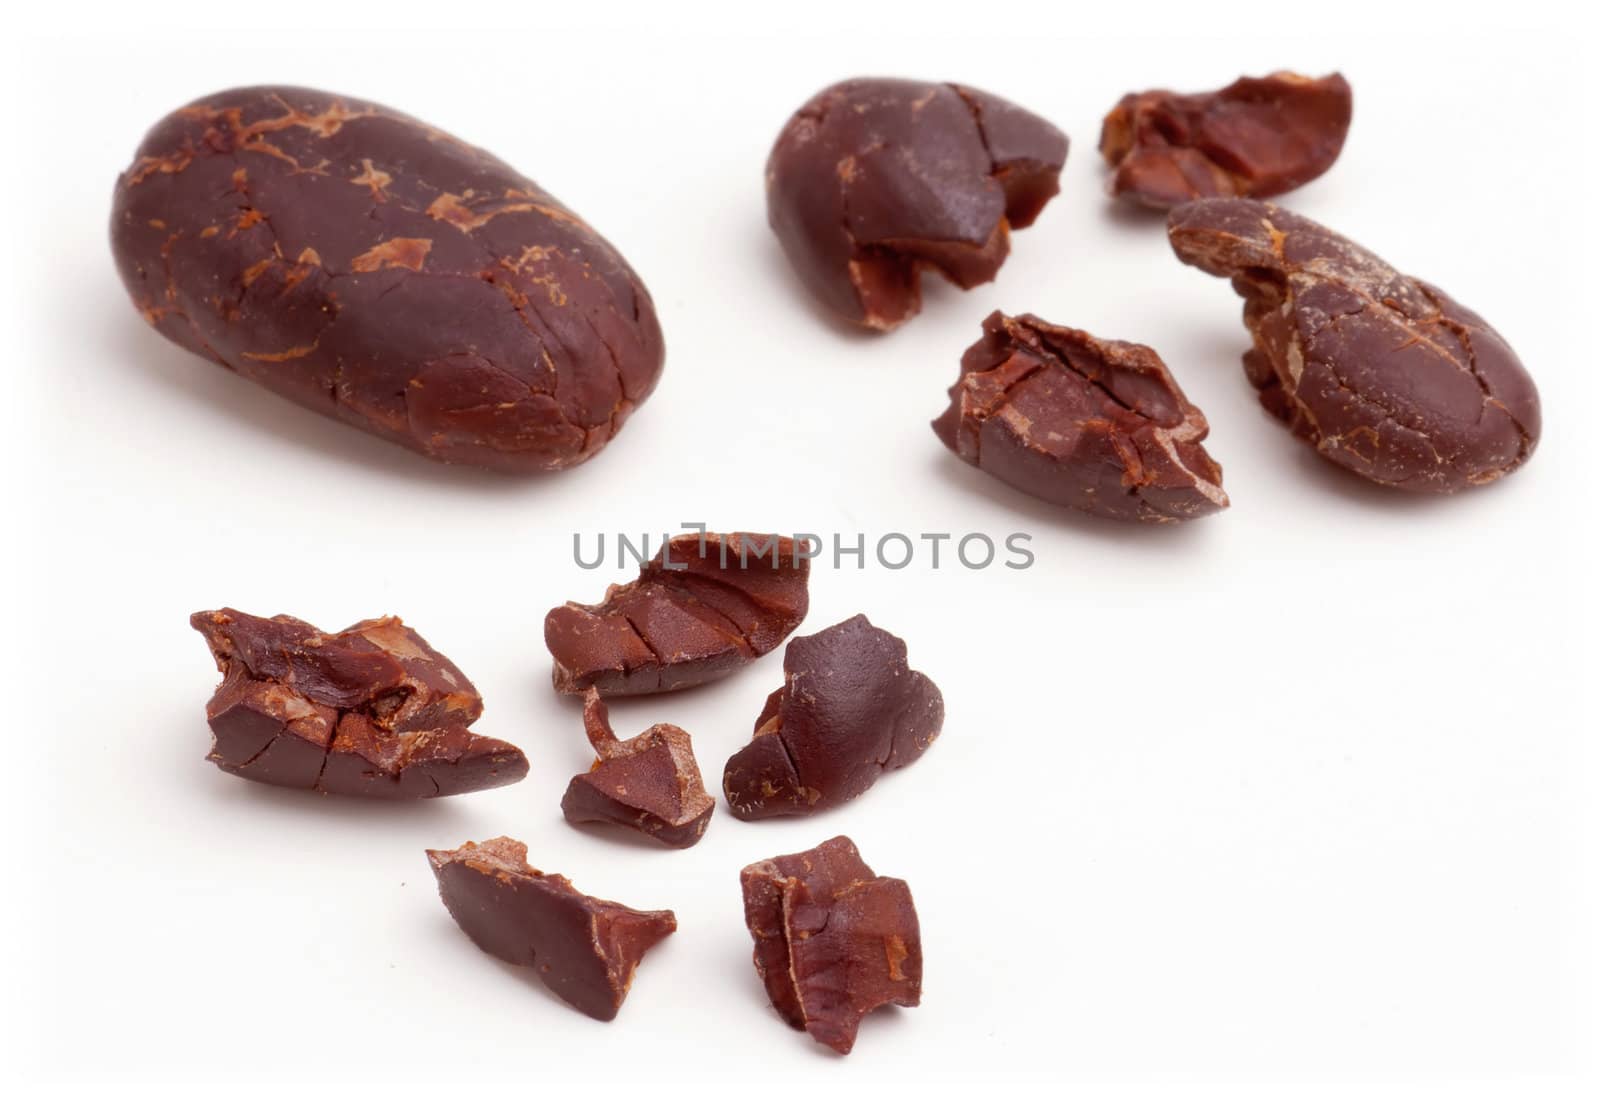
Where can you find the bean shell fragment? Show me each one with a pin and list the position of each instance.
(370, 711)
(1254, 138)
(1082, 422)
(703, 608)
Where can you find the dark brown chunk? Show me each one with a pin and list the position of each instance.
(725, 600)
(372, 711)
(1254, 138)
(834, 941)
(585, 949)
(1383, 374)
(1081, 422)
(849, 709)
(650, 782)
(873, 181)
(381, 272)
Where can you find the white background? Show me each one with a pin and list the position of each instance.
(1298, 792)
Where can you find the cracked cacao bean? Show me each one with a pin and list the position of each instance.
(1254, 138)
(874, 181)
(1081, 422)
(385, 274)
(702, 609)
(849, 709)
(585, 949)
(833, 940)
(1382, 373)
(371, 711)
(650, 782)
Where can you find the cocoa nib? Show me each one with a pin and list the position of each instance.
(585, 949)
(1082, 422)
(723, 601)
(834, 941)
(1382, 373)
(372, 711)
(650, 782)
(1253, 138)
(849, 709)
(373, 269)
(873, 181)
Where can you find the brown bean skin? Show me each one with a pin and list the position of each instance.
(1384, 374)
(385, 274)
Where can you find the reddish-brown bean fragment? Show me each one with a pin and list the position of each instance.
(368, 266)
(585, 949)
(1384, 374)
(1254, 138)
(875, 180)
(850, 708)
(702, 609)
(649, 782)
(371, 711)
(1082, 422)
(833, 940)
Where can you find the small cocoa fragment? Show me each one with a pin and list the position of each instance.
(721, 602)
(371, 711)
(1382, 373)
(874, 181)
(849, 709)
(1081, 422)
(650, 782)
(585, 949)
(1254, 138)
(833, 940)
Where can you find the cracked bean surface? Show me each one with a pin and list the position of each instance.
(833, 940)
(1082, 422)
(385, 274)
(369, 711)
(1257, 137)
(701, 610)
(875, 180)
(1382, 373)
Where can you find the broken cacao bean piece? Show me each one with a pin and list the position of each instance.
(849, 709)
(1254, 138)
(1083, 422)
(1382, 373)
(650, 782)
(371, 711)
(702, 609)
(366, 265)
(874, 181)
(585, 949)
(833, 940)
